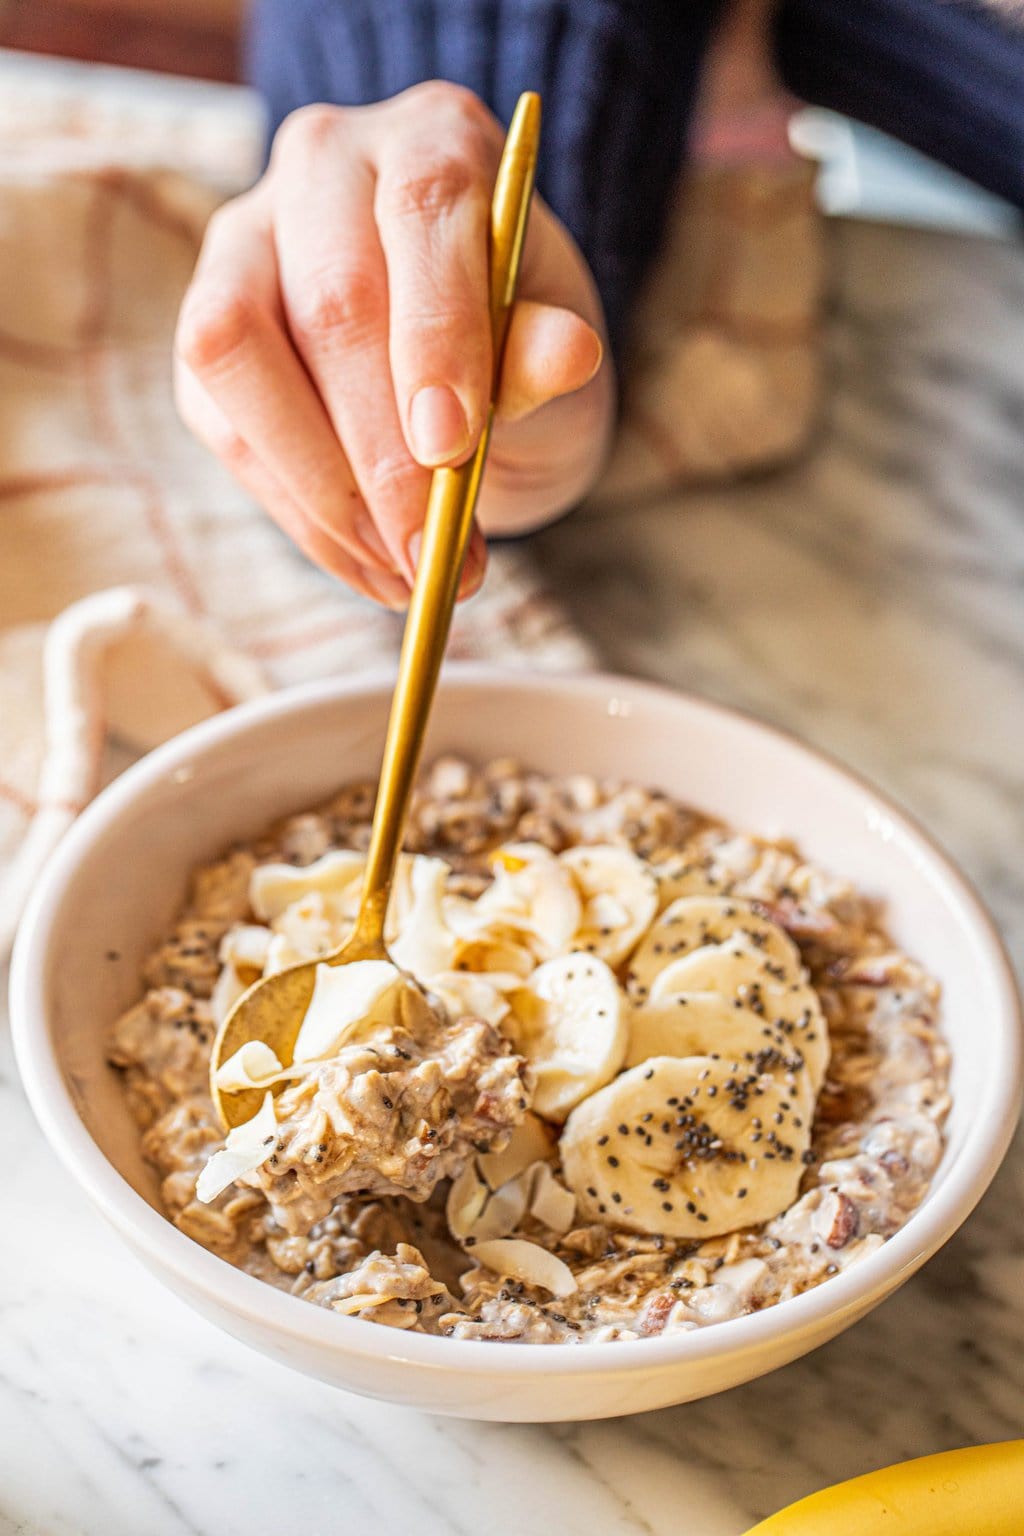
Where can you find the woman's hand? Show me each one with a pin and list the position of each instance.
(334, 345)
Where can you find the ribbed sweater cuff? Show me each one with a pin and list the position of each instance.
(618, 79)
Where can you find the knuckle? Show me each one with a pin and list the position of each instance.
(445, 329)
(438, 94)
(232, 450)
(420, 191)
(213, 326)
(343, 304)
(457, 103)
(308, 129)
(456, 115)
(393, 478)
(473, 117)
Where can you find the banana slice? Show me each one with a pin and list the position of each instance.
(619, 895)
(693, 1024)
(697, 922)
(569, 1022)
(706, 1024)
(688, 1147)
(682, 876)
(747, 978)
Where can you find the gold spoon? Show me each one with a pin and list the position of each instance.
(272, 1010)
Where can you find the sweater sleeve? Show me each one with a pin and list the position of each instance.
(618, 79)
(945, 76)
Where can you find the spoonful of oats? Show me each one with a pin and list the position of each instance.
(350, 1012)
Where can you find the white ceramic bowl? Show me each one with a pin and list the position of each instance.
(119, 876)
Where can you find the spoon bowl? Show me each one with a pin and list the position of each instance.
(272, 1010)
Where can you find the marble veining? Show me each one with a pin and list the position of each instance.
(869, 598)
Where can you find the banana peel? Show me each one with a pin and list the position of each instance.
(977, 1491)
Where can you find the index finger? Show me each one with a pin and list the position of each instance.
(432, 207)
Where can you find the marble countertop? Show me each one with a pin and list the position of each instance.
(871, 599)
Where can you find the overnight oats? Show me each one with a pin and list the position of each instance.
(655, 1073)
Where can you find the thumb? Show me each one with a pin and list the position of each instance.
(549, 352)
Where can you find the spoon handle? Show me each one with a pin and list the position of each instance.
(446, 533)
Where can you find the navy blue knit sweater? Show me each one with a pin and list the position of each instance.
(619, 79)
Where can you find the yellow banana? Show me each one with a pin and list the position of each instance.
(978, 1491)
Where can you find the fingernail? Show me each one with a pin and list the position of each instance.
(438, 425)
(389, 590)
(598, 358)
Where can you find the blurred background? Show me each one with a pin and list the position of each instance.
(183, 37)
(864, 173)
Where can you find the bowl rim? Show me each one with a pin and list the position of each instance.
(234, 1292)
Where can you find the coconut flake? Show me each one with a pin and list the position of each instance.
(466, 1199)
(310, 927)
(505, 963)
(742, 1277)
(247, 1146)
(528, 1262)
(227, 989)
(347, 1305)
(531, 1142)
(466, 995)
(619, 896)
(504, 1210)
(253, 1065)
(343, 996)
(272, 887)
(605, 911)
(531, 897)
(245, 946)
(551, 1203)
(280, 955)
(400, 901)
(425, 945)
